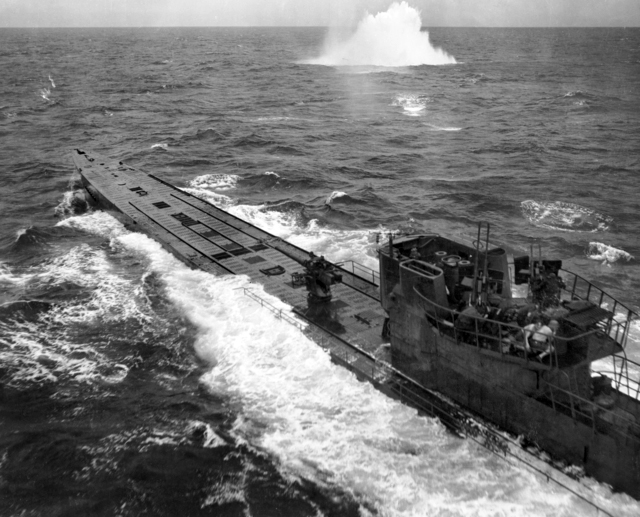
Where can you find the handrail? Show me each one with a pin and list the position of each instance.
(587, 410)
(363, 272)
(576, 403)
(579, 288)
(493, 338)
(623, 382)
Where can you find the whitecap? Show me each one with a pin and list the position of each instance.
(216, 199)
(413, 105)
(568, 217)
(45, 93)
(334, 195)
(438, 128)
(99, 223)
(210, 439)
(73, 202)
(608, 254)
(215, 181)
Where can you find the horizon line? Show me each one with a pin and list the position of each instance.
(314, 27)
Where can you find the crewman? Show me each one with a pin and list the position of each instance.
(537, 337)
(553, 327)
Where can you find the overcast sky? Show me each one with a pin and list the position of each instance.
(157, 13)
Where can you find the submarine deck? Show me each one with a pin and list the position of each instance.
(208, 238)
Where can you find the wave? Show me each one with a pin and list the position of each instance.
(251, 141)
(433, 127)
(608, 254)
(570, 217)
(73, 202)
(209, 134)
(31, 243)
(286, 150)
(579, 94)
(215, 181)
(266, 180)
(49, 335)
(333, 196)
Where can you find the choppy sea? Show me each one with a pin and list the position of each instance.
(131, 385)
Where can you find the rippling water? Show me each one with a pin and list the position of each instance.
(131, 384)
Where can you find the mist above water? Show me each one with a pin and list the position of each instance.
(390, 39)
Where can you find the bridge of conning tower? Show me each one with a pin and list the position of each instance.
(470, 273)
(467, 289)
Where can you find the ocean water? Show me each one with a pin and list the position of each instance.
(132, 385)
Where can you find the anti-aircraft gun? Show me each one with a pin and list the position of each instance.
(319, 276)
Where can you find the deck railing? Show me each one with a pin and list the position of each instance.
(488, 334)
(617, 420)
(361, 271)
(503, 339)
(578, 288)
(624, 374)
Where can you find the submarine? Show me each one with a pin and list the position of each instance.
(500, 348)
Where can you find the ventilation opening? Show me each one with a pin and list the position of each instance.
(184, 219)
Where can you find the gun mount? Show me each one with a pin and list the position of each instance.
(319, 276)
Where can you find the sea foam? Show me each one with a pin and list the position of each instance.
(569, 217)
(608, 254)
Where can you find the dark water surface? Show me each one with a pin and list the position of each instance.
(130, 385)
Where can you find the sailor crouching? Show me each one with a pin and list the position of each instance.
(538, 338)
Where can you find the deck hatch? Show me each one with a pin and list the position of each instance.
(367, 316)
(221, 256)
(138, 190)
(161, 204)
(240, 251)
(210, 233)
(259, 247)
(273, 271)
(184, 219)
(588, 317)
(232, 246)
(254, 260)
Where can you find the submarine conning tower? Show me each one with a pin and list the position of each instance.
(456, 273)
(525, 359)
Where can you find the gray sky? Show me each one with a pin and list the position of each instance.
(154, 13)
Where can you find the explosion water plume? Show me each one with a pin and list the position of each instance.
(392, 38)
